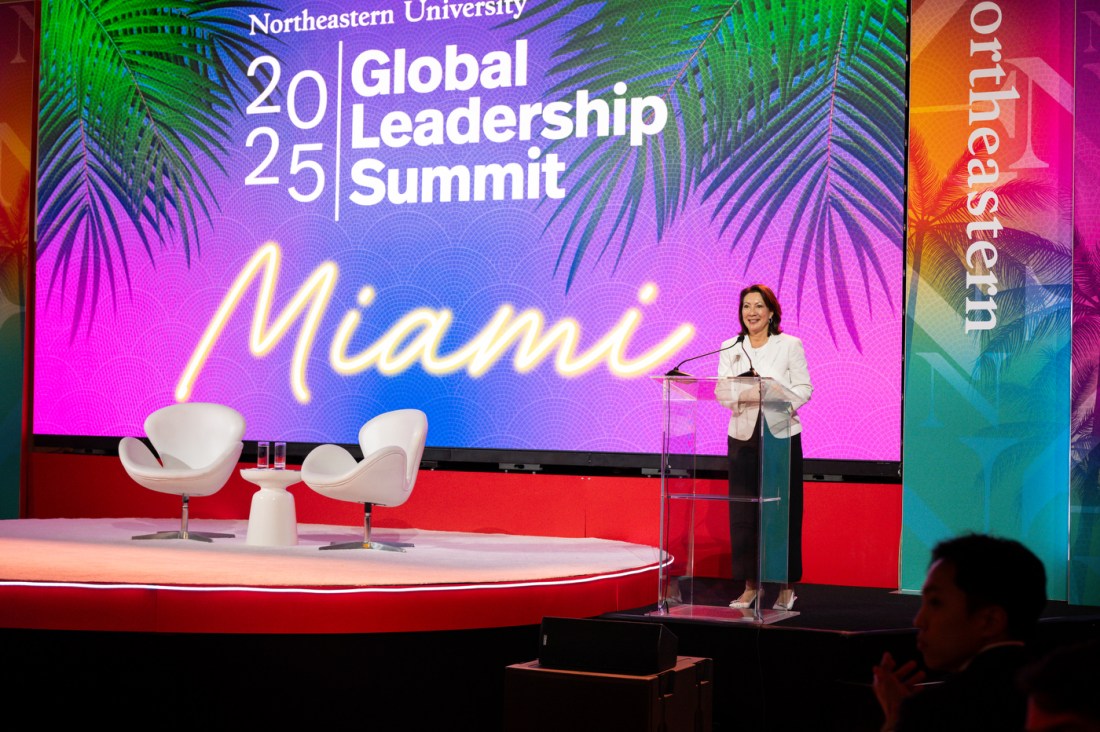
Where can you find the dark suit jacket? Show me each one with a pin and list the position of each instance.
(983, 697)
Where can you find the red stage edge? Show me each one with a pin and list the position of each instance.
(168, 609)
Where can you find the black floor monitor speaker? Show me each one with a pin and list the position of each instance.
(606, 646)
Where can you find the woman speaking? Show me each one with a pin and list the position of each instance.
(762, 349)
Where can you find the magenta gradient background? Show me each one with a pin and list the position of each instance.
(469, 257)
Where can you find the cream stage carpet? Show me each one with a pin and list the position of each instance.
(88, 574)
(101, 550)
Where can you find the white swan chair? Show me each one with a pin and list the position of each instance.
(392, 444)
(198, 444)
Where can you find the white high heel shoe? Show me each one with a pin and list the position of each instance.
(785, 601)
(747, 600)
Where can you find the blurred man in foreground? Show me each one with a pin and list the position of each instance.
(980, 603)
(1063, 690)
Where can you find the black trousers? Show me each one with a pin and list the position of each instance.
(744, 477)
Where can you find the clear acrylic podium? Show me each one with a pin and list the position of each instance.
(695, 577)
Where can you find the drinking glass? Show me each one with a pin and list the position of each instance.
(261, 455)
(280, 456)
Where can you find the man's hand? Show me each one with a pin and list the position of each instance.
(892, 684)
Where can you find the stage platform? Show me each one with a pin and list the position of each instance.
(87, 574)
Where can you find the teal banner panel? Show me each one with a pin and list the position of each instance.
(18, 41)
(989, 255)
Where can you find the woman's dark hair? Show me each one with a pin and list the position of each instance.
(770, 301)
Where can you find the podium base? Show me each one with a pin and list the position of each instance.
(723, 614)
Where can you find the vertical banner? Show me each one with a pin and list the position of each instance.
(1084, 577)
(18, 36)
(986, 417)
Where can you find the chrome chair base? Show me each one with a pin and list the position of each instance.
(367, 545)
(206, 536)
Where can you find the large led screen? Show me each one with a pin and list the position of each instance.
(506, 213)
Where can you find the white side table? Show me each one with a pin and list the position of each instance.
(272, 520)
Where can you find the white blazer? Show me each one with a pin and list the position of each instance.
(781, 358)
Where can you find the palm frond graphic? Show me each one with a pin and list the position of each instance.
(133, 95)
(788, 120)
(14, 240)
(1085, 418)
